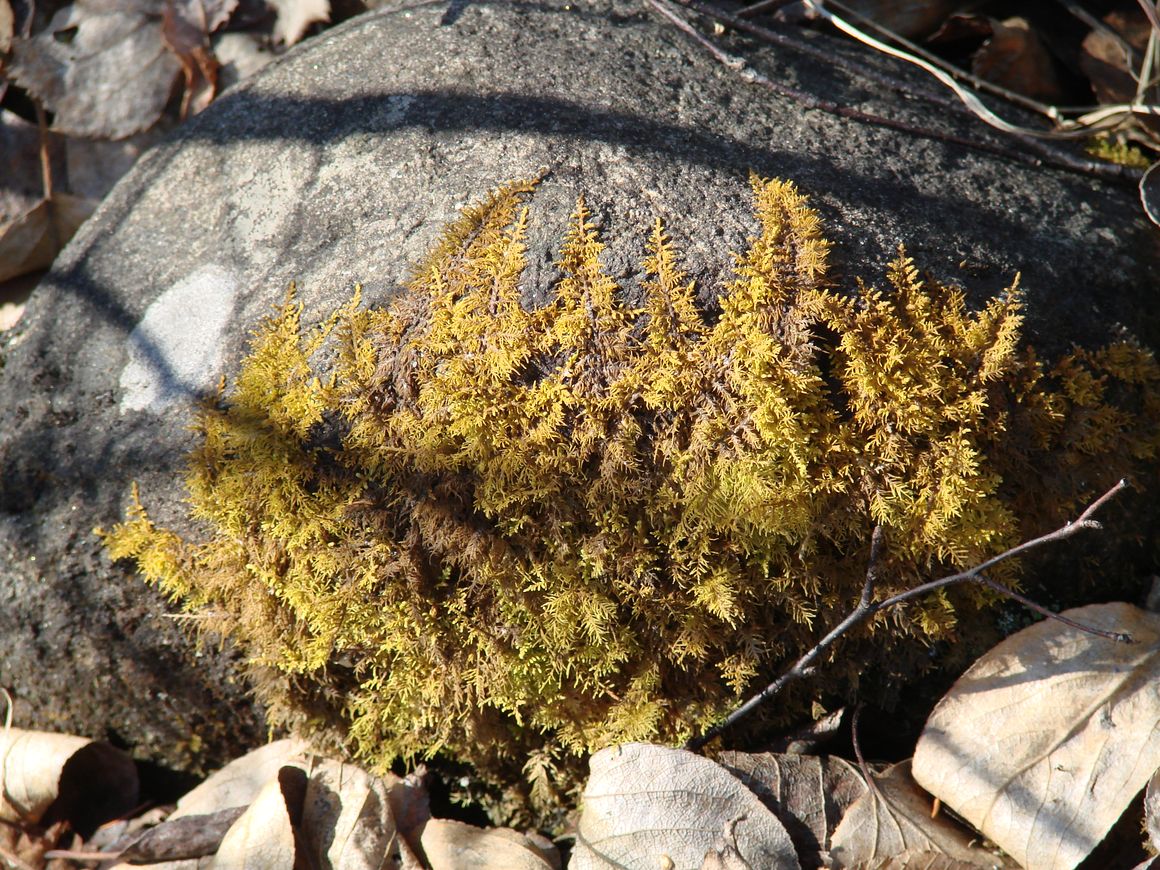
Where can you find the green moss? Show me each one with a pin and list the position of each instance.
(1116, 149)
(514, 536)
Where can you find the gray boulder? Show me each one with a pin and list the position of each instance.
(340, 163)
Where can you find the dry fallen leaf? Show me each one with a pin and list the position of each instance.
(894, 818)
(919, 860)
(905, 17)
(644, 803)
(32, 240)
(1104, 54)
(239, 782)
(1014, 57)
(1150, 193)
(7, 28)
(454, 845)
(22, 184)
(1152, 811)
(295, 16)
(101, 68)
(38, 770)
(347, 820)
(312, 812)
(177, 839)
(809, 794)
(1045, 741)
(263, 838)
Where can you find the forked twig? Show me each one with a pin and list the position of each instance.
(867, 608)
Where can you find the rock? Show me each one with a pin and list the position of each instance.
(340, 163)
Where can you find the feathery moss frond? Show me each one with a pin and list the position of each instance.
(511, 535)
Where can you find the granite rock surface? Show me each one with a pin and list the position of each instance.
(340, 163)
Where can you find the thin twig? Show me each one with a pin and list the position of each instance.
(1035, 153)
(867, 773)
(810, 101)
(1118, 636)
(1014, 97)
(859, 71)
(45, 159)
(686, 28)
(866, 608)
(1094, 123)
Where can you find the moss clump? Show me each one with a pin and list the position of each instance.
(513, 535)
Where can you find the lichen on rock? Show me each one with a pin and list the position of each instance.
(512, 535)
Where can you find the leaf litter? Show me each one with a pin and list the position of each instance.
(1045, 741)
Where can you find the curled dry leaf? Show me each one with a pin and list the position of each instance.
(644, 804)
(78, 777)
(1150, 193)
(186, 26)
(725, 855)
(808, 794)
(312, 812)
(893, 819)
(178, 839)
(1045, 741)
(1152, 811)
(239, 782)
(102, 68)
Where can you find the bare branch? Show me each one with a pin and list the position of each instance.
(866, 608)
(1034, 151)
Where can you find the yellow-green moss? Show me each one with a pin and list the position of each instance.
(504, 533)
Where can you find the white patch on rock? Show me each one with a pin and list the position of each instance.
(396, 110)
(175, 352)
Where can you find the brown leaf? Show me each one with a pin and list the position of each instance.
(95, 165)
(7, 29)
(33, 239)
(1048, 737)
(186, 26)
(644, 803)
(725, 855)
(893, 819)
(1104, 54)
(1015, 58)
(101, 66)
(241, 55)
(295, 16)
(810, 795)
(411, 810)
(23, 185)
(316, 812)
(180, 838)
(913, 19)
